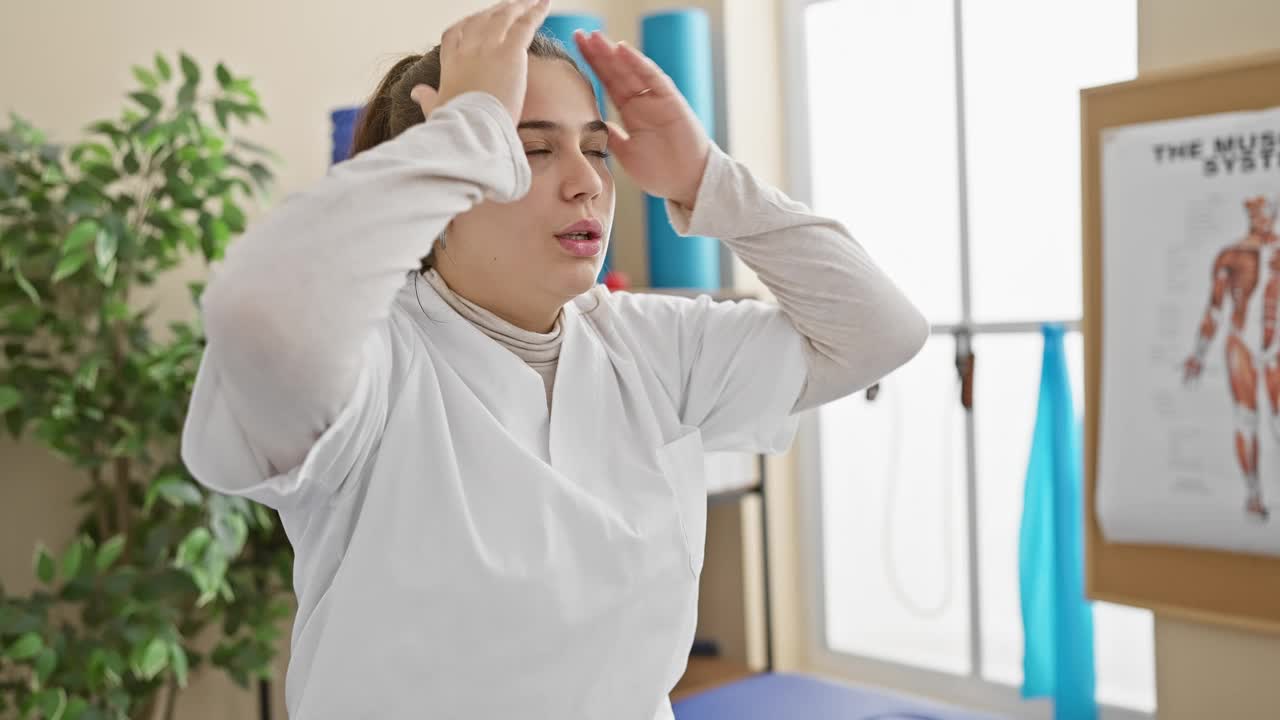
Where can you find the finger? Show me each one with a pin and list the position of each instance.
(497, 21)
(470, 29)
(599, 53)
(526, 25)
(618, 135)
(451, 38)
(630, 81)
(426, 97)
(645, 69)
(619, 142)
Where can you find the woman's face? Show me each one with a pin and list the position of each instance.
(549, 245)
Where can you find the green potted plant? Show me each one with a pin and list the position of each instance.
(111, 630)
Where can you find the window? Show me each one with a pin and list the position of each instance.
(945, 135)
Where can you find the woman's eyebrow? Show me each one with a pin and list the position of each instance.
(590, 127)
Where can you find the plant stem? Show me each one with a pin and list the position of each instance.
(122, 495)
(102, 502)
(148, 709)
(171, 701)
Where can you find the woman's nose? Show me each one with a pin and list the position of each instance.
(581, 179)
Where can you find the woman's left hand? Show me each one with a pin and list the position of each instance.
(661, 143)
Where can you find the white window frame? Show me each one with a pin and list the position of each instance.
(972, 690)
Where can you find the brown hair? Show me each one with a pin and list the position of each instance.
(390, 111)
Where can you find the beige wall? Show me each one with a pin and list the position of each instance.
(1205, 671)
(65, 63)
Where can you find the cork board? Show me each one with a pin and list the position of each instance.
(1202, 585)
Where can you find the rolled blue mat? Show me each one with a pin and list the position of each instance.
(561, 27)
(679, 41)
(344, 125)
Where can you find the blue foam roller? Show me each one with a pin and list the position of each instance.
(679, 41)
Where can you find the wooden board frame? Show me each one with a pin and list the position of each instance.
(1200, 585)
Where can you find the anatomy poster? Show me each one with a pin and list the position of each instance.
(1189, 426)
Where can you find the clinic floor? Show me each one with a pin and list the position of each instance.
(705, 674)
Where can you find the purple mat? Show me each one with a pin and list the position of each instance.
(782, 696)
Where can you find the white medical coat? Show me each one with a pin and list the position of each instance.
(461, 552)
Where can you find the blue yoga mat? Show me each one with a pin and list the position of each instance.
(786, 696)
(679, 41)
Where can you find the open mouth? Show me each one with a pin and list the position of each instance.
(581, 245)
(583, 238)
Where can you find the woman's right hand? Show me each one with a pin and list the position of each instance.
(487, 52)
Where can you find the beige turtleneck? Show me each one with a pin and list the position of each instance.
(540, 351)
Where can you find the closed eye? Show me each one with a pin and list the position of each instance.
(596, 153)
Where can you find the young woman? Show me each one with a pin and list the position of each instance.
(490, 468)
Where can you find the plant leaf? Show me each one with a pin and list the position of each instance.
(231, 531)
(108, 128)
(116, 310)
(154, 658)
(145, 77)
(233, 216)
(45, 567)
(26, 285)
(106, 248)
(178, 658)
(45, 664)
(80, 236)
(221, 108)
(76, 708)
(26, 647)
(261, 175)
(130, 162)
(107, 274)
(214, 240)
(190, 70)
(177, 492)
(256, 148)
(162, 67)
(97, 150)
(72, 560)
(87, 375)
(104, 174)
(69, 264)
(147, 100)
(9, 398)
(244, 87)
(8, 182)
(108, 553)
(53, 703)
(192, 547)
(224, 76)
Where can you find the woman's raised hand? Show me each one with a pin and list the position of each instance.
(487, 52)
(661, 143)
